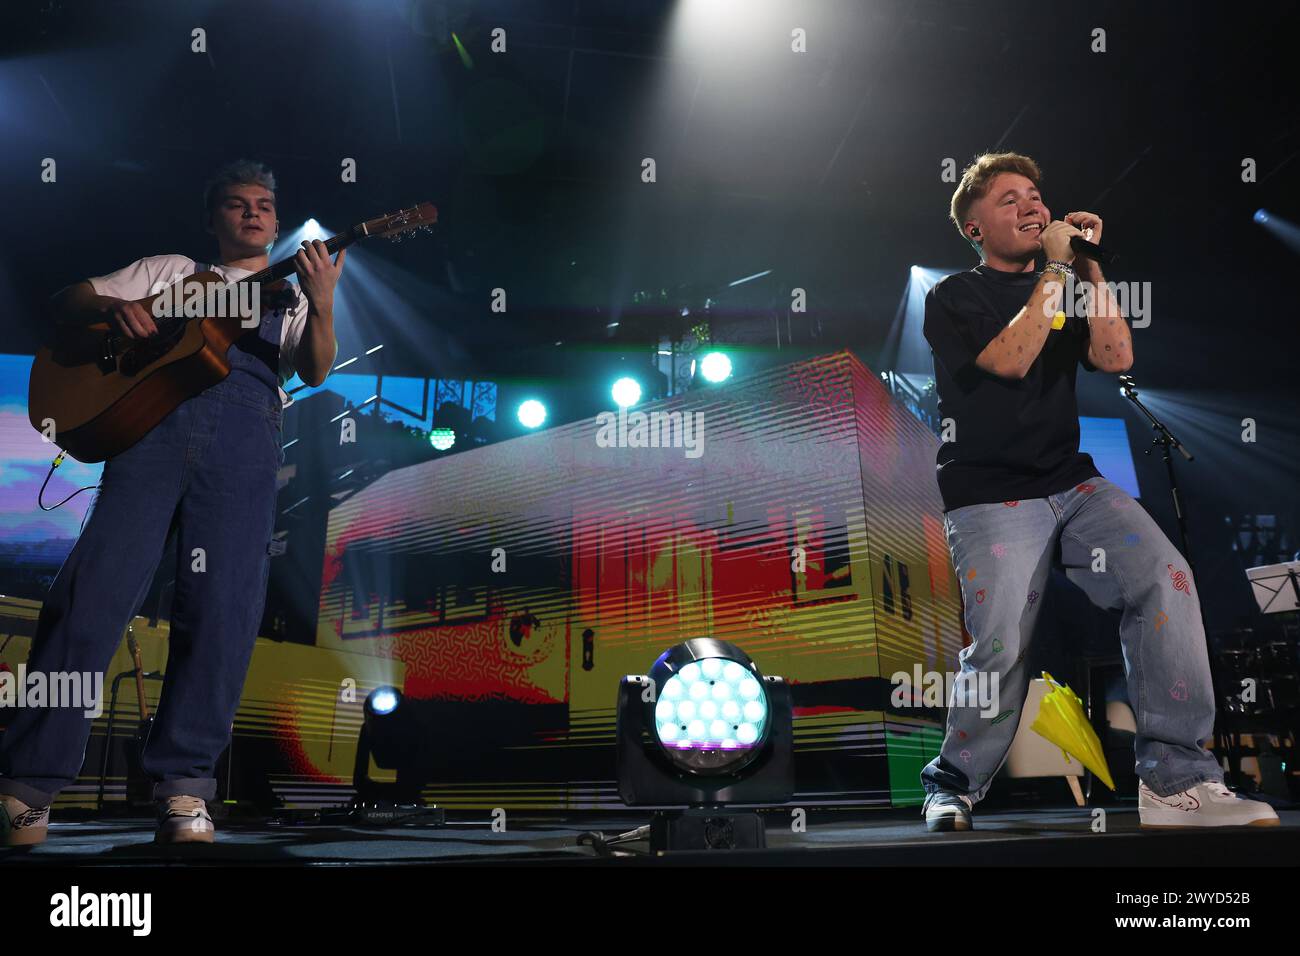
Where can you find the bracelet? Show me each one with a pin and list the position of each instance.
(1057, 267)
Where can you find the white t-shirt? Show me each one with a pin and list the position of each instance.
(153, 273)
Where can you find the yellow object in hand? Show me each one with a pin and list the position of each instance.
(1058, 320)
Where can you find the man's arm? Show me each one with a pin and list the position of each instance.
(317, 348)
(77, 301)
(1110, 346)
(80, 304)
(317, 276)
(1011, 353)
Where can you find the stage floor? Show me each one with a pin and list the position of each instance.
(882, 837)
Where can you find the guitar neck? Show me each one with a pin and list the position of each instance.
(284, 267)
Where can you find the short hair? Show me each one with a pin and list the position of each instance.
(975, 180)
(242, 172)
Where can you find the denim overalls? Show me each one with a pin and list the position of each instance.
(208, 471)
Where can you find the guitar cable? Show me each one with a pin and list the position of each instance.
(41, 494)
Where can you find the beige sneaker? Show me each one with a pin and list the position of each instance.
(21, 825)
(1204, 805)
(184, 820)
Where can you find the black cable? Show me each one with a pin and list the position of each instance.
(41, 494)
(605, 846)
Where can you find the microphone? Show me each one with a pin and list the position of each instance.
(1090, 250)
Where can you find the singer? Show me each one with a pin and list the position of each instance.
(1019, 497)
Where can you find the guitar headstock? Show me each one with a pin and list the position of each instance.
(401, 225)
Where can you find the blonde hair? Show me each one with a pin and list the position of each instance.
(975, 181)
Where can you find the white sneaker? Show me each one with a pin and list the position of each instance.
(21, 825)
(1204, 805)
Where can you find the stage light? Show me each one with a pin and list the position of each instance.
(383, 701)
(1288, 233)
(626, 392)
(715, 367)
(704, 728)
(532, 413)
(387, 770)
(311, 229)
(905, 348)
(712, 715)
(442, 438)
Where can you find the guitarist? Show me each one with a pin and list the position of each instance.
(207, 470)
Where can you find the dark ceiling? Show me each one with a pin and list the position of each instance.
(823, 167)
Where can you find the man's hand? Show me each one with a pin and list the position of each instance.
(1087, 268)
(130, 318)
(317, 276)
(1056, 241)
(1086, 221)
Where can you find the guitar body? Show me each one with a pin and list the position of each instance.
(102, 406)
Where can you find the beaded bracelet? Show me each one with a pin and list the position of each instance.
(1059, 268)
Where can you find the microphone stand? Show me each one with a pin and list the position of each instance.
(1165, 440)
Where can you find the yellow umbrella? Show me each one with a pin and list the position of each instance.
(1062, 721)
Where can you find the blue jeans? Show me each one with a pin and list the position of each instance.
(1112, 549)
(209, 468)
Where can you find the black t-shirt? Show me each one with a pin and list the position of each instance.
(1013, 439)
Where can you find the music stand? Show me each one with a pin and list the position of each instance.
(1276, 587)
(1277, 590)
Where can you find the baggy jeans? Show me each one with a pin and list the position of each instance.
(1112, 549)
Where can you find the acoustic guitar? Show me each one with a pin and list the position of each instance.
(102, 391)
